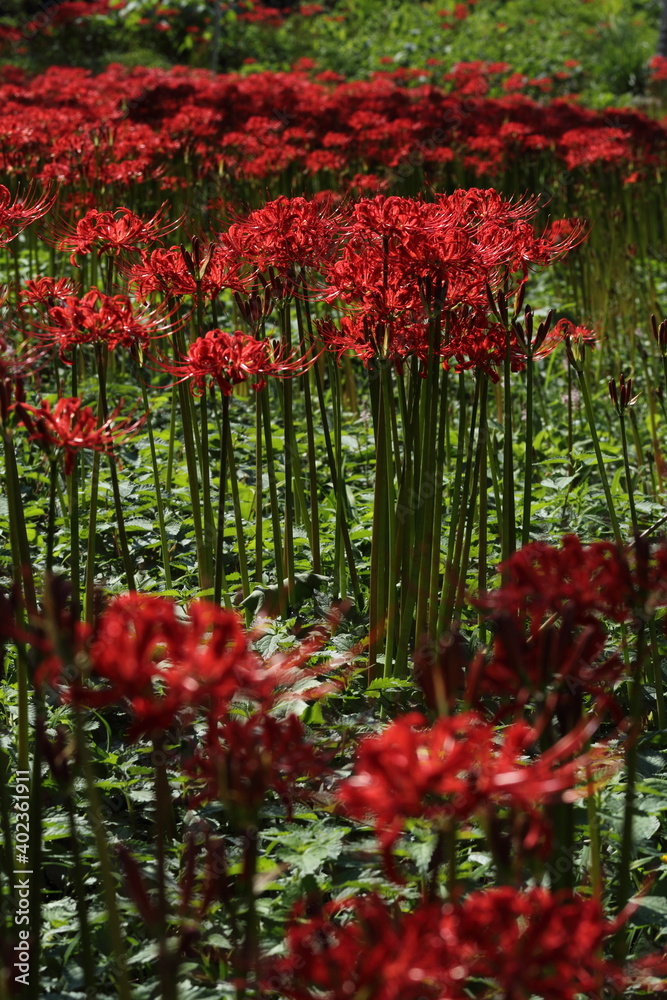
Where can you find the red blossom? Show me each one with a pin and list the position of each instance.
(114, 232)
(227, 359)
(525, 943)
(71, 427)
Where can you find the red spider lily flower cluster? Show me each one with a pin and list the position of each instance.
(172, 272)
(227, 359)
(285, 234)
(71, 427)
(460, 766)
(525, 944)
(243, 759)
(405, 262)
(586, 581)
(549, 634)
(16, 215)
(133, 126)
(113, 233)
(145, 653)
(96, 318)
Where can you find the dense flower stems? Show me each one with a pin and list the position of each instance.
(312, 457)
(186, 410)
(453, 567)
(430, 535)
(102, 362)
(208, 539)
(159, 504)
(335, 465)
(595, 846)
(103, 857)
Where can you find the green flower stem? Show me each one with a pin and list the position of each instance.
(624, 876)
(312, 457)
(172, 442)
(158, 490)
(240, 537)
(51, 525)
(434, 584)
(187, 410)
(462, 562)
(108, 887)
(20, 547)
(528, 480)
(335, 469)
(220, 583)
(628, 476)
(205, 467)
(259, 505)
(89, 584)
(482, 448)
(87, 959)
(457, 528)
(509, 518)
(392, 606)
(427, 483)
(102, 358)
(75, 557)
(590, 416)
(379, 540)
(273, 499)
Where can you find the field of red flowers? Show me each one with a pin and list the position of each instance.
(333, 575)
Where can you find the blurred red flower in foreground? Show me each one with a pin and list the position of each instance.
(459, 766)
(145, 652)
(528, 943)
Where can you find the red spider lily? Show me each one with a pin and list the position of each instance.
(285, 234)
(459, 766)
(97, 318)
(584, 580)
(167, 272)
(227, 359)
(526, 943)
(17, 215)
(245, 759)
(72, 427)
(561, 662)
(537, 942)
(114, 232)
(47, 292)
(161, 663)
